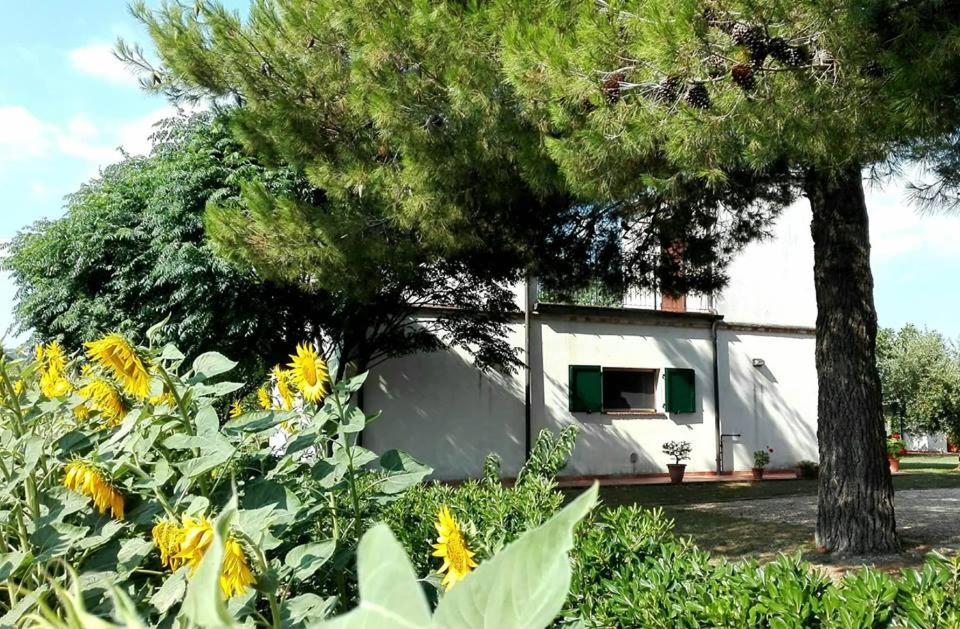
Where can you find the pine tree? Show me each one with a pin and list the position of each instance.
(832, 88)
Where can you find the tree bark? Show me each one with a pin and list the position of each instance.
(855, 497)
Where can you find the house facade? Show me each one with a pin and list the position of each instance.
(730, 373)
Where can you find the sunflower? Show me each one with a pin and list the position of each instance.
(197, 535)
(18, 388)
(236, 409)
(309, 373)
(167, 535)
(235, 574)
(282, 379)
(263, 397)
(53, 364)
(85, 479)
(457, 558)
(186, 544)
(116, 354)
(81, 412)
(105, 398)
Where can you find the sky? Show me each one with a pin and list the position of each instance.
(67, 105)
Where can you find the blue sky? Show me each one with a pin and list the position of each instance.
(66, 105)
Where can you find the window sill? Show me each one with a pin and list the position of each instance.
(639, 414)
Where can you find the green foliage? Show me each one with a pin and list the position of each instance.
(130, 251)
(761, 458)
(423, 123)
(297, 507)
(808, 469)
(679, 450)
(549, 454)
(920, 373)
(630, 570)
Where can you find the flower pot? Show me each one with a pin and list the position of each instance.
(676, 472)
(757, 473)
(894, 464)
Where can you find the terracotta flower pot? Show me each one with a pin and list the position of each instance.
(676, 472)
(894, 464)
(757, 473)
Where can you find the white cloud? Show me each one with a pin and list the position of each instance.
(898, 229)
(99, 61)
(21, 134)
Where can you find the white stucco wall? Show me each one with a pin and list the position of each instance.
(770, 406)
(771, 281)
(607, 441)
(442, 410)
(446, 413)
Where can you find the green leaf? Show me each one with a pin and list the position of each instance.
(170, 352)
(57, 538)
(171, 591)
(306, 559)
(305, 607)
(206, 421)
(11, 563)
(255, 421)
(390, 595)
(132, 553)
(204, 605)
(356, 420)
(525, 584)
(154, 330)
(210, 364)
(405, 471)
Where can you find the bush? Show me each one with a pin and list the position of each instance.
(808, 470)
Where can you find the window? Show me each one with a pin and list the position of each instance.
(630, 390)
(596, 389)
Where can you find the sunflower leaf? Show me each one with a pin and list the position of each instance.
(525, 584)
(390, 595)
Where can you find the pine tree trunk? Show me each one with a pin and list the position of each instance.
(855, 497)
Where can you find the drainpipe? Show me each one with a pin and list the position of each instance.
(530, 299)
(714, 334)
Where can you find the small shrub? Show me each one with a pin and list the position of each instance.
(679, 450)
(761, 458)
(808, 470)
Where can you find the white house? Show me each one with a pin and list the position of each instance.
(730, 373)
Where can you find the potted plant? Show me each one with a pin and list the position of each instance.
(761, 458)
(680, 451)
(896, 447)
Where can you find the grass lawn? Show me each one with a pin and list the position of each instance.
(734, 537)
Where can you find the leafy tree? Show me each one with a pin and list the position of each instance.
(920, 372)
(130, 252)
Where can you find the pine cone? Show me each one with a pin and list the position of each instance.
(611, 86)
(715, 66)
(697, 96)
(786, 54)
(668, 90)
(742, 74)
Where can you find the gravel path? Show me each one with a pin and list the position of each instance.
(926, 516)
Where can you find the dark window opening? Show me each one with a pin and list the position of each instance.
(629, 389)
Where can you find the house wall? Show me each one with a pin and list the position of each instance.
(770, 406)
(447, 413)
(442, 410)
(771, 281)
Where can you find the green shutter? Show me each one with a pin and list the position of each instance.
(681, 391)
(586, 389)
